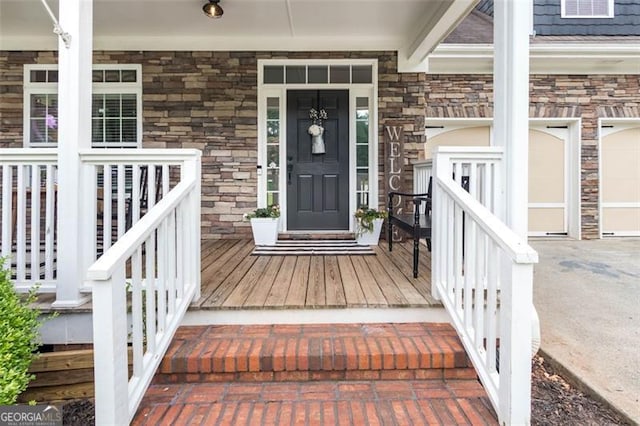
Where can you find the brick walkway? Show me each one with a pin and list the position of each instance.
(397, 374)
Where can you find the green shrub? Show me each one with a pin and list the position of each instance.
(18, 338)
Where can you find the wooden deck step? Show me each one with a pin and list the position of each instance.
(287, 236)
(326, 374)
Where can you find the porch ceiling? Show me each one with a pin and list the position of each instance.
(411, 27)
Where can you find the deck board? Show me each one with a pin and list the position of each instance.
(316, 292)
(278, 294)
(298, 289)
(352, 289)
(333, 283)
(232, 278)
(265, 283)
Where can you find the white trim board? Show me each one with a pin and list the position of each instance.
(316, 316)
(265, 91)
(566, 58)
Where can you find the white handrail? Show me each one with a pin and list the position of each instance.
(483, 274)
(137, 156)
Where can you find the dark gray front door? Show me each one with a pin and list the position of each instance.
(318, 184)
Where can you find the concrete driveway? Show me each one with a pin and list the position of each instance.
(587, 294)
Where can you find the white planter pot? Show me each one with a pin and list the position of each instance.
(368, 238)
(265, 230)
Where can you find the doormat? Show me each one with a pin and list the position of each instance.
(314, 248)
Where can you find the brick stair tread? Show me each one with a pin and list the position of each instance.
(303, 352)
(417, 402)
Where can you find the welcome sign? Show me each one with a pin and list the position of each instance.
(394, 168)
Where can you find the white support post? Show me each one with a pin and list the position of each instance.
(515, 329)
(110, 350)
(511, 130)
(511, 107)
(74, 134)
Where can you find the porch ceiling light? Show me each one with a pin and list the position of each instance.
(213, 9)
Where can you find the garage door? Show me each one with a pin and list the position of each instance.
(547, 188)
(620, 181)
(547, 170)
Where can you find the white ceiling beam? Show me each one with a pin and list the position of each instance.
(438, 24)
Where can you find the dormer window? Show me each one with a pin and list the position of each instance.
(587, 8)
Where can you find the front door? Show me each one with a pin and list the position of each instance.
(318, 183)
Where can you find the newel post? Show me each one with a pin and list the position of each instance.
(110, 350)
(74, 134)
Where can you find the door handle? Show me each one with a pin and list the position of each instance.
(289, 169)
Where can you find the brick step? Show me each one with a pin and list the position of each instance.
(314, 352)
(395, 402)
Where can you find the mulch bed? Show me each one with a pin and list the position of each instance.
(553, 402)
(556, 402)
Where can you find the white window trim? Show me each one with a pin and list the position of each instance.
(563, 13)
(98, 88)
(355, 90)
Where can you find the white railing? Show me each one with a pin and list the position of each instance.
(476, 168)
(127, 183)
(483, 274)
(156, 265)
(28, 216)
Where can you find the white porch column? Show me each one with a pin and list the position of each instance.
(511, 130)
(511, 105)
(74, 134)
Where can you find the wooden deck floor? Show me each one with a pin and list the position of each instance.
(234, 279)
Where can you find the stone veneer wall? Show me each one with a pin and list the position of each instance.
(565, 96)
(208, 101)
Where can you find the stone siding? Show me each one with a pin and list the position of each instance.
(552, 96)
(208, 101)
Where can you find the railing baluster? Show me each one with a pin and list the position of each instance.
(137, 311)
(21, 228)
(182, 235)
(121, 203)
(7, 213)
(135, 194)
(151, 186)
(151, 291)
(162, 276)
(480, 282)
(492, 306)
(165, 179)
(458, 256)
(171, 263)
(35, 223)
(49, 223)
(469, 271)
(106, 209)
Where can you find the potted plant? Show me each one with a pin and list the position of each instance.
(264, 224)
(368, 225)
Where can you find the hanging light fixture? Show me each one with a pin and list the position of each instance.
(213, 9)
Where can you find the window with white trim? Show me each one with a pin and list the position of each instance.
(116, 113)
(587, 8)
